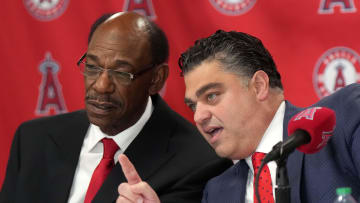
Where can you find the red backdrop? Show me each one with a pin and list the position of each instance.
(314, 43)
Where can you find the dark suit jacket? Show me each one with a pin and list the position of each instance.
(313, 177)
(168, 153)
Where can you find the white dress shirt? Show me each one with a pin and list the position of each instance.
(92, 152)
(272, 135)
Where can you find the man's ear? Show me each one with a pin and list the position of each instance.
(160, 75)
(260, 83)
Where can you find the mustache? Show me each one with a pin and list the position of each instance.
(103, 98)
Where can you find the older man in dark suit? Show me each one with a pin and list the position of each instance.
(73, 157)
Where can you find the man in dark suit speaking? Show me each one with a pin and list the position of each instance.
(73, 157)
(235, 91)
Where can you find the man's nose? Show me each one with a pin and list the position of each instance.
(104, 83)
(201, 114)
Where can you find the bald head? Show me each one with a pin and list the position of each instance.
(130, 20)
(135, 27)
(125, 24)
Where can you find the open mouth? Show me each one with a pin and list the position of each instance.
(214, 132)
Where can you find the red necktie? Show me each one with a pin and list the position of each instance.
(265, 184)
(103, 169)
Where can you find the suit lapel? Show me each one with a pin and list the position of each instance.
(243, 175)
(148, 152)
(295, 159)
(150, 148)
(63, 155)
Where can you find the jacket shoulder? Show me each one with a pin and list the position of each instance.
(55, 122)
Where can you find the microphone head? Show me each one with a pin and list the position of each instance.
(318, 122)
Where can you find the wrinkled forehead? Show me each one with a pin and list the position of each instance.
(118, 37)
(121, 30)
(121, 40)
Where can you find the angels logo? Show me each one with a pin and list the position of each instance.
(325, 136)
(233, 7)
(46, 10)
(345, 6)
(307, 114)
(50, 96)
(144, 7)
(336, 68)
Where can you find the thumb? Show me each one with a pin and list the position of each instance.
(129, 170)
(145, 190)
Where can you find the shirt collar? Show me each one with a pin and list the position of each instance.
(124, 138)
(274, 132)
(272, 135)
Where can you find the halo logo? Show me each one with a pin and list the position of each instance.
(336, 68)
(50, 95)
(144, 7)
(233, 7)
(345, 6)
(46, 10)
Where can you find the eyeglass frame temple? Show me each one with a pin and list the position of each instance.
(133, 75)
(82, 58)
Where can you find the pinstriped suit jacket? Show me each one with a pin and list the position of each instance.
(313, 177)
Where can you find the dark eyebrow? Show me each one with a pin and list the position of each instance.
(122, 63)
(202, 90)
(206, 87)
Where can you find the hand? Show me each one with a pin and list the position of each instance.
(135, 190)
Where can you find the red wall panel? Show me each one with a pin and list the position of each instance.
(297, 33)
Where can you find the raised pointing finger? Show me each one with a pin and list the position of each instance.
(129, 170)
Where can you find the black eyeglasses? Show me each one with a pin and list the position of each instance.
(93, 72)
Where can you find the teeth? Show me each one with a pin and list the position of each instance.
(213, 131)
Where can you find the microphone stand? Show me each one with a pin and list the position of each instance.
(282, 191)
